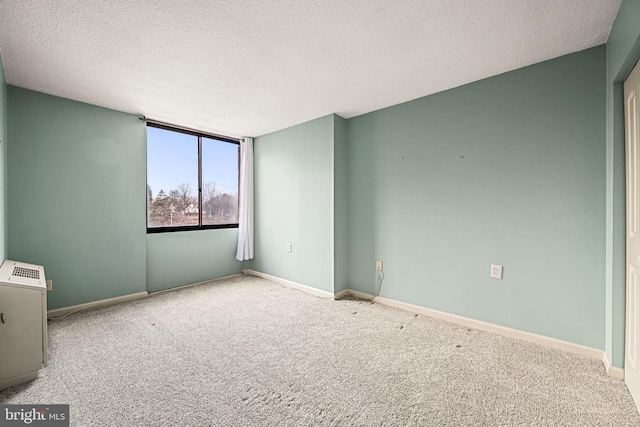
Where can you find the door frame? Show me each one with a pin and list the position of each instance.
(632, 231)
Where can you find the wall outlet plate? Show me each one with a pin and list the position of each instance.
(49, 285)
(496, 271)
(378, 265)
(288, 247)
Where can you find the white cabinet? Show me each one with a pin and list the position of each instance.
(23, 322)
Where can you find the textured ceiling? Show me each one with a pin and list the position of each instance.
(249, 67)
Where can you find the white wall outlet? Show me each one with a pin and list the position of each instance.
(49, 285)
(288, 247)
(496, 271)
(378, 265)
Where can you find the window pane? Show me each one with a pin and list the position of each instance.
(172, 178)
(219, 182)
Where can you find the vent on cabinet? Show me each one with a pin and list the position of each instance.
(28, 273)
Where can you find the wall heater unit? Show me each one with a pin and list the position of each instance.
(23, 322)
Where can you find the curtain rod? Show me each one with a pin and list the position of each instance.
(186, 129)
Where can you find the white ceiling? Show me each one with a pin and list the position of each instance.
(250, 67)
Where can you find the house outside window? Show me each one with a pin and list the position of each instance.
(192, 180)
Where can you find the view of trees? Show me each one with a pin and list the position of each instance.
(180, 206)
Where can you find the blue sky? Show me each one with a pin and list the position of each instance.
(172, 159)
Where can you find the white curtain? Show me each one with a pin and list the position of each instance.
(245, 220)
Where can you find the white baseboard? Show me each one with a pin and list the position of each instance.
(361, 295)
(593, 353)
(342, 294)
(290, 284)
(192, 284)
(612, 371)
(617, 374)
(59, 312)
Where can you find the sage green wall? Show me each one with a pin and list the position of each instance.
(340, 232)
(623, 50)
(3, 162)
(76, 199)
(293, 202)
(509, 170)
(77, 205)
(175, 259)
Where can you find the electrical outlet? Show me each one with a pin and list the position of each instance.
(496, 271)
(288, 247)
(378, 265)
(49, 285)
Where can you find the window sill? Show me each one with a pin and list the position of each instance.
(156, 230)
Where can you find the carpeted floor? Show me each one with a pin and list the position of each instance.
(248, 352)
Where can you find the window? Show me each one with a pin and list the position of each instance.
(192, 180)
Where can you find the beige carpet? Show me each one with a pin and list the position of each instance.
(248, 352)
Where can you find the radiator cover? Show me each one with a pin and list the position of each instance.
(23, 322)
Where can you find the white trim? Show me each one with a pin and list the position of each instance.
(59, 312)
(613, 371)
(591, 352)
(594, 353)
(342, 294)
(151, 293)
(361, 295)
(617, 374)
(290, 284)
